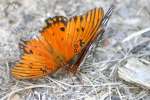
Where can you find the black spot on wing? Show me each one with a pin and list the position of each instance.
(81, 42)
(54, 20)
(78, 29)
(82, 29)
(62, 29)
(49, 21)
(29, 52)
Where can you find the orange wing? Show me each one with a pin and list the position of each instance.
(43, 55)
(82, 30)
(59, 44)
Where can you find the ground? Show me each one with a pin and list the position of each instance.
(98, 78)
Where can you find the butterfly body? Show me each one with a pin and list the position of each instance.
(62, 43)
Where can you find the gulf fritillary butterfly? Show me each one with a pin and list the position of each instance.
(63, 43)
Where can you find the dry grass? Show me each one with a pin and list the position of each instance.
(127, 34)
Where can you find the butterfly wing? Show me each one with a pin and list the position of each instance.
(82, 31)
(43, 55)
(59, 44)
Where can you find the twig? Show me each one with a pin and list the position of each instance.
(135, 34)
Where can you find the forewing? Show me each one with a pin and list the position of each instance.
(82, 30)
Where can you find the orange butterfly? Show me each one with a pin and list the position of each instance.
(63, 43)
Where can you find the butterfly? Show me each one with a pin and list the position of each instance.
(63, 43)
